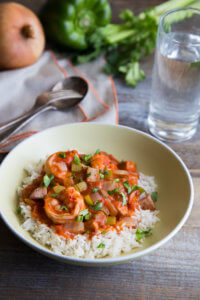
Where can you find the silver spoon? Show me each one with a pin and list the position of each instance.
(65, 95)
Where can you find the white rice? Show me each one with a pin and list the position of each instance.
(82, 247)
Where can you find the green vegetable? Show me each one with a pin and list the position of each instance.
(19, 210)
(97, 206)
(88, 200)
(123, 198)
(127, 186)
(101, 245)
(73, 176)
(58, 188)
(87, 217)
(125, 44)
(87, 158)
(70, 23)
(83, 212)
(101, 175)
(77, 159)
(79, 218)
(81, 186)
(111, 220)
(64, 207)
(76, 167)
(154, 196)
(47, 179)
(103, 232)
(54, 195)
(97, 151)
(63, 154)
(106, 172)
(141, 234)
(87, 232)
(88, 175)
(94, 190)
(113, 191)
(116, 179)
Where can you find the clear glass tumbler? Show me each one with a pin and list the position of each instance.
(174, 106)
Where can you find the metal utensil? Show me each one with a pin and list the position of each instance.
(65, 95)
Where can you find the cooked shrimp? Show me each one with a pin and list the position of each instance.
(102, 161)
(71, 199)
(56, 165)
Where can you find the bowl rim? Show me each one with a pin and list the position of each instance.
(114, 260)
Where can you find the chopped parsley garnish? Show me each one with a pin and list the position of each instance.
(87, 217)
(106, 172)
(77, 159)
(103, 232)
(127, 186)
(87, 158)
(79, 218)
(94, 190)
(64, 207)
(87, 232)
(73, 176)
(88, 175)
(116, 179)
(79, 180)
(141, 234)
(63, 154)
(123, 198)
(54, 195)
(97, 151)
(154, 196)
(83, 212)
(83, 215)
(19, 210)
(47, 179)
(97, 206)
(101, 175)
(101, 245)
(113, 191)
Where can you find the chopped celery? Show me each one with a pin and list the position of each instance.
(76, 168)
(88, 200)
(81, 186)
(111, 220)
(58, 188)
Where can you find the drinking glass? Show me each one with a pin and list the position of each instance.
(174, 106)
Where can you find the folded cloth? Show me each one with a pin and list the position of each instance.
(20, 88)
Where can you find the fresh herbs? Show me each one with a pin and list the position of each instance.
(106, 172)
(141, 234)
(87, 158)
(123, 198)
(83, 215)
(154, 196)
(97, 206)
(88, 175)
(94, 190)
(103, 232)
(116, 180)
(47, 179)
(54, 195)
(97, 151)
(73, 176)
(64, 207)
(101, 174)
(19, 210)
(127, 186)
(113, 191)
(77, 159)
(125, 44)
(63, 154)
(101, 245)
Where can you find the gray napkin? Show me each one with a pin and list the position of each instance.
(19, 89)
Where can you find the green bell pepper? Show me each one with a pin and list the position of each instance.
(70, 22)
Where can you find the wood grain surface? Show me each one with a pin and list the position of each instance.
(171, 272)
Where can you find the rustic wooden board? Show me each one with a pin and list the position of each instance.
(171, 272)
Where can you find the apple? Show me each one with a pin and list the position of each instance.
(22, 37)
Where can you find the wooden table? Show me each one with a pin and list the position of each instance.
(171, 272)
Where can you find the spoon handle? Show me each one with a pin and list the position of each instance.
(19, 122)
